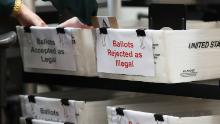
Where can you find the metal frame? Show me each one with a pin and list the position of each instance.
(2, 78)
(5, 41)
(191, 89)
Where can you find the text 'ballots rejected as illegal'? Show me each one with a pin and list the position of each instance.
(123, 51)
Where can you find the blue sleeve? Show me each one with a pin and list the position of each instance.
(6, 7)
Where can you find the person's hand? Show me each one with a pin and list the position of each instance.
(28, 18)
(74, 23)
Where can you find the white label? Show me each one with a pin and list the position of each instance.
(122, 52)
(103, 22)
(136, 117)
(50, 109)
(44, 48)
(54, 111)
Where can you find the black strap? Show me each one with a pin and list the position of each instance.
(158, 117)
(119, 111)
(65, 102)
(31, 99)
(103, 30)
(28, 120)
(27, 29)
(60, 30)
(68, 123)
(140, 33)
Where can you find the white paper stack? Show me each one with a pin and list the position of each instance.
(63, 51)
(124, 116)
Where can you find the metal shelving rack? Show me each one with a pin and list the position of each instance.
(190, 89)
(6, 40)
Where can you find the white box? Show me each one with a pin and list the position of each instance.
(83, 49)
(94, 110)
(180, 110)
(175, 61)
(51, 109)
(90, 105)
(181, 56)
(126, 116)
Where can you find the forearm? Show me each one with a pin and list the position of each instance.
(6, 7)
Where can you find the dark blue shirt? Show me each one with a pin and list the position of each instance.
(83, 9)
(6, 7)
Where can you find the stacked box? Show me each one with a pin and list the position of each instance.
(93, 111)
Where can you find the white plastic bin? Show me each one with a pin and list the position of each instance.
(82, 49)
(179, 55)
(125, 116)
(88, 106)
(50, 109)
(94, 111)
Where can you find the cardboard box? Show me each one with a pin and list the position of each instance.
(104, 21)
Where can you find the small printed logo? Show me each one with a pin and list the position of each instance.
(130, 122)
(188, 73)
